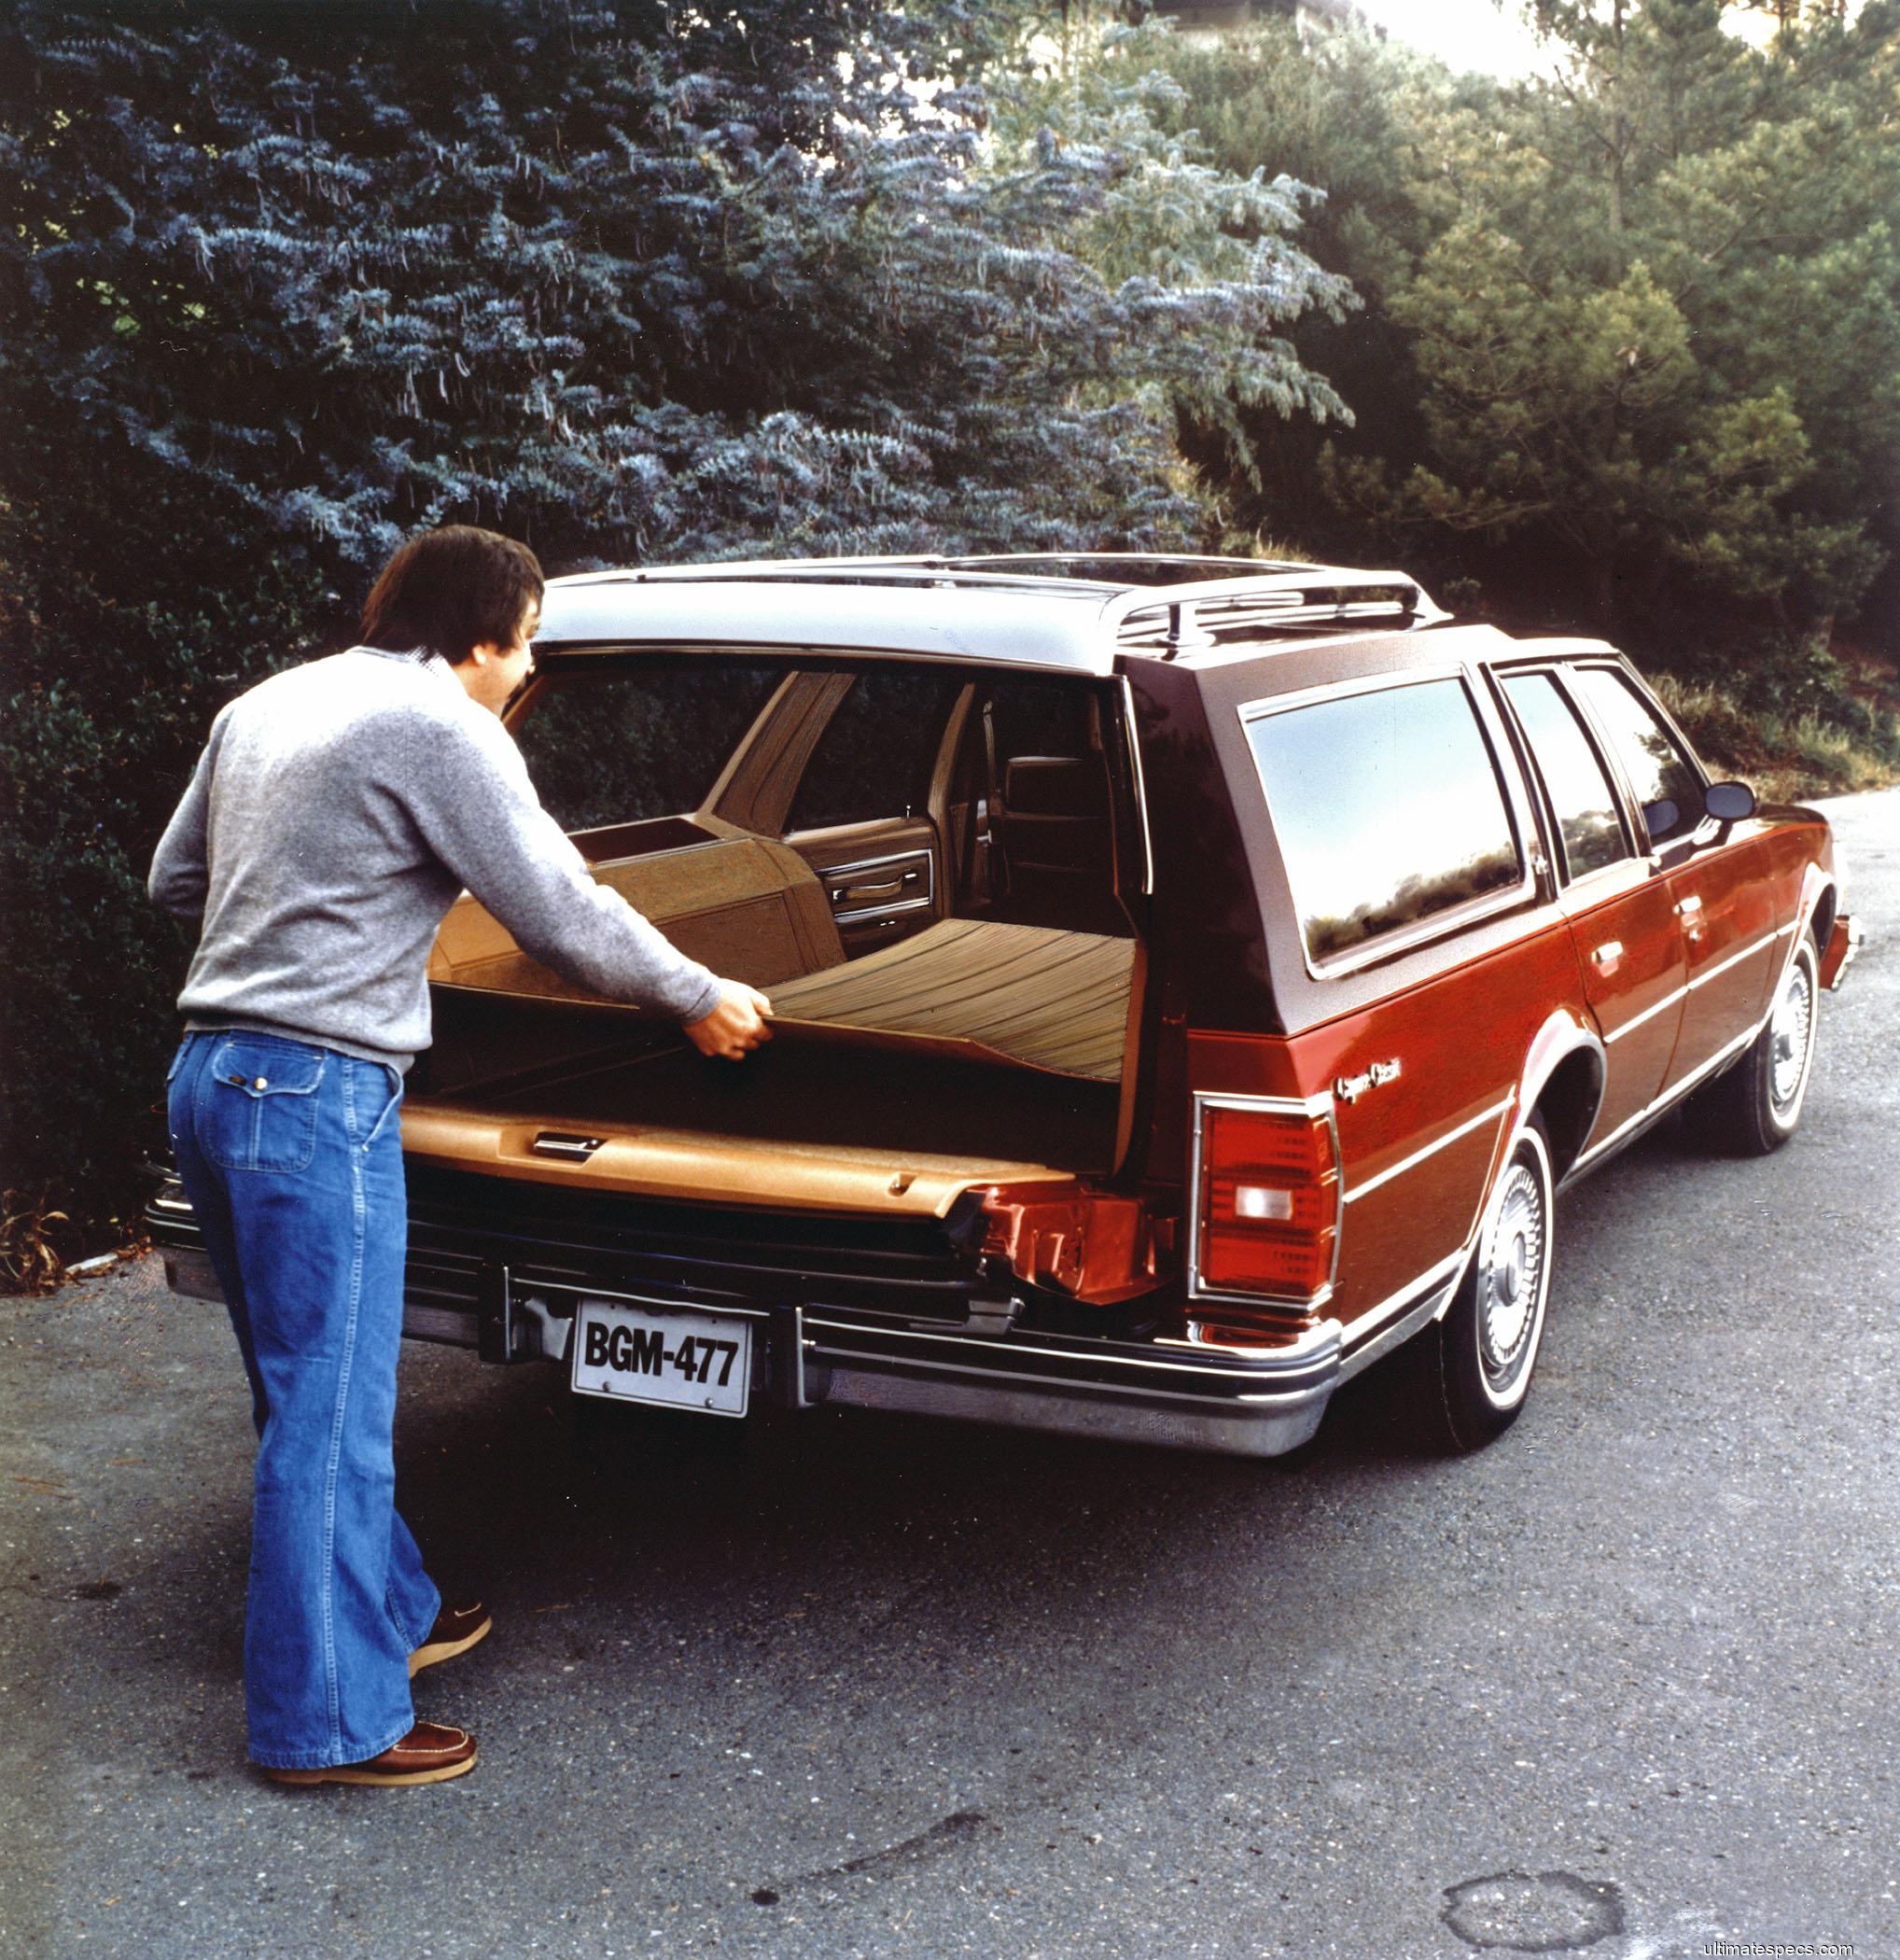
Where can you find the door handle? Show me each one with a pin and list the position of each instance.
(1609, 956)
(884, 889)
(1689, 906)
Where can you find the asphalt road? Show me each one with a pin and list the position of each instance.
(1626, 1683)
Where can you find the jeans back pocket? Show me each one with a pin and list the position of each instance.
(257, 1104)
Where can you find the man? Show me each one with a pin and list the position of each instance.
(337, 812)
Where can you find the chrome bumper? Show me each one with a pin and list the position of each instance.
(1258, 1403)
(1239, 1402)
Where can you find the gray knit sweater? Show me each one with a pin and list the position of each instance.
(337, 811)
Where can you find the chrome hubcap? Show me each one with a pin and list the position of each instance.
(1790, 1032)
(1512, 1279)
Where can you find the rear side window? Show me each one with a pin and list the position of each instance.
(1657, 767)
(1580, 792)
(1388, 809)
(619, 745)
(876, 753)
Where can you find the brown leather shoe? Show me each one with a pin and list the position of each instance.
(429, 1753)
(456, 1631)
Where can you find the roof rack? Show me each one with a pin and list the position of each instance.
(1149, 601)
(1186, 618)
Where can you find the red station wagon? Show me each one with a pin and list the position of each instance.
(1191, 978)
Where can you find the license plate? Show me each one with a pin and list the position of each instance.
(680, 1359)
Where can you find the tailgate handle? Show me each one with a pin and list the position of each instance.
(569, 1148)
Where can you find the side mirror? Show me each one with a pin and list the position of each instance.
(1730, 803)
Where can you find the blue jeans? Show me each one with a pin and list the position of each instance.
(291, 1156)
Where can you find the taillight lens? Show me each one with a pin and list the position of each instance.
(1269, 1201)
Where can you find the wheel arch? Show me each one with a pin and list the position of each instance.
(1562, 1082)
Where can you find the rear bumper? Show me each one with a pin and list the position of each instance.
(1245, 1402)
(1843, 944)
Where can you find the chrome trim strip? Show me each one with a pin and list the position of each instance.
(1266, 705)
(1321, 1105)
(829, 872)
(824, 1356)
(1648, 1013)
(1312, 1348)
(1427, 1307)
(1754, 946)
(1419, 1156)
(1429, 1280)
(1140, 788)
(1674, 1093)
(847, 919)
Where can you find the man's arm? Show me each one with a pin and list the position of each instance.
(478, 811)
(181, 867)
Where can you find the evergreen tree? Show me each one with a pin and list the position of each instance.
(1631, 348)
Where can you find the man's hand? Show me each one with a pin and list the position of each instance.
(736, 1026)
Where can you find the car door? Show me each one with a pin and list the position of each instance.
(866, 814)
(1622, 916)
(1716, 873)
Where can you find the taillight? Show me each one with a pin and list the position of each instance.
(1268, 1203)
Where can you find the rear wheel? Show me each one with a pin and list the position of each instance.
(1754, 1106)
(1482, 1352)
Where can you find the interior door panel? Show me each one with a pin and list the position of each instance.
(881, 879)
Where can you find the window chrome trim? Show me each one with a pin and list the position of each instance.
(1550, 668)
(1419, 1156)
(1134, 735)
(1634, 684)
(1515, 795)
(1309, 1106)
(1262, 706)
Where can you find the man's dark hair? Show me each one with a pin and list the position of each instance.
(450, 591)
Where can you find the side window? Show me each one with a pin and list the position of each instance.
(1580, 792)
(619, 745)
(874, 758)
(1655, 766)
(1387, 809)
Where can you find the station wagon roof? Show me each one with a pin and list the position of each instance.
(1028, 611)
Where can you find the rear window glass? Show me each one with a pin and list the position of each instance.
(1580, 792)
(1388, 809)
(624, 744)
(874, 758)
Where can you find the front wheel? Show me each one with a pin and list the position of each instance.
(1754, 1106)
(1486, 1345)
